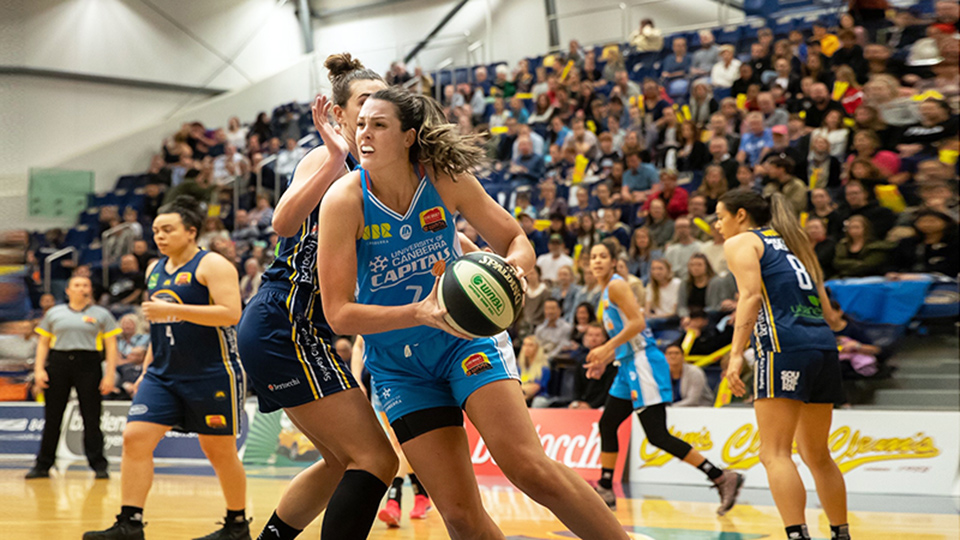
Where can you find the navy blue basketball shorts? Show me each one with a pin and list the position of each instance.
(811, 376)
(289, 363)
(209, 405)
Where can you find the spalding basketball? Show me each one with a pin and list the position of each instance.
(481, 293)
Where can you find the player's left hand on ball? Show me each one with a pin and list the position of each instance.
(429, 313)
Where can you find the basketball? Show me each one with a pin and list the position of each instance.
(481, 293)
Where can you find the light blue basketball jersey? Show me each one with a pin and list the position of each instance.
(396, 254)
(644, 375)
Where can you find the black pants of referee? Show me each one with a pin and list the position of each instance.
(66, 370)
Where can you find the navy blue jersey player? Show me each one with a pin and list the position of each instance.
(784, 305)
(389, 223)
(287, 346)
(192, 380)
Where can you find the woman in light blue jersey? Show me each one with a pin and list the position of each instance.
(642, 384)
(797, 379)
(390, 223)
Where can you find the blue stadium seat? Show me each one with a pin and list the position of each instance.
(782, 27)
(729, 35)
(79, 237)
(131, 181)
(92, 256)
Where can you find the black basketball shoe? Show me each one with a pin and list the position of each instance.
(236, 530)
(123, 529)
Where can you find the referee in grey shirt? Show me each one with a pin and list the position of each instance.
(72, 337)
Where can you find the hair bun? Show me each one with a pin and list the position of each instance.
(187, 202)
(341, 64)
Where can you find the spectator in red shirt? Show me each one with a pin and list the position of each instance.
(675, 197)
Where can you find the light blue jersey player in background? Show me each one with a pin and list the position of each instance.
(642, 384)
(389, 224)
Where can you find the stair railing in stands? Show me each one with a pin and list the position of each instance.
(105, 253)
(48, 260)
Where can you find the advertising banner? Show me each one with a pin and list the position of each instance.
(895, 452)
(174, 445)
(571, 437)
(21, 426)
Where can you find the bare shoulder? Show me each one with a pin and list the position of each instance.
(742, 243)
(345, 191)
(215, 266)
(151, 266)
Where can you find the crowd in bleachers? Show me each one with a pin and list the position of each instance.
(854, 121)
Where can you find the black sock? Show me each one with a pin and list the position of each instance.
(131, 513)
(710, 470)
(418, 488)
(840, 532)
(798, 532)
(276, 529)
(606, 478)
(353, 507)
(396, 490)
(236, 516)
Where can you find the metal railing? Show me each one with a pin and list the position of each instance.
(48, 260)
(105, 258)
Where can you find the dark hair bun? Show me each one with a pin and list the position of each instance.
(341, 64)
(186, 202)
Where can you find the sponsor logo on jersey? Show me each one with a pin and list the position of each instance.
(633, 395)
(412, 260)
(813, 311)
(377, 231)
(433, 220)
(152, 282)
(476, 363)
(166, 282)
(216, 421)
(183, 278)
(284, 385)
(405, 231)
(219, 395)
(89, 320)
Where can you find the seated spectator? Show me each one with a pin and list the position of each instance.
(755, 139)
(558, 131)
(129, 371)
(131, 337)
(647, 38)
(780, 173)
(867, 145)
(852, 97)
(746, 78)
(262, 214)
(584, 142)
(829, 43)
(772, 115)
(702, 103)
(658, 222)
(676, 67)
(635, 284)
(565, 290)
(603, 166)
(787, 77)
(690, 388)
(526, 167)
(212, 228)
(519, 111)
(822, 169)
(536, 237)
(937, 123)
(533, 308)
(934, 249)
(528, 132)
(865, 172)
(126, 291)
(551, 263)
(781, 148)
(500, 114)
(542, 113)
(759, 60)
(592, 393)
(712, 248)
(824, 246)
(674, 197)
(692, 154)
(709, 338)
(587, 233)
(907, 28)
(858, 254)
(502, 86)
(706, 56)
(821, 104)
(714, 185)
(639, 178)
(610, 225)
(726, 70)
(250, 281)
(720, 156)
(534, 371)
(583, 316)
(935, 193)
(288, 158)
(664, 293)
(835, 132)
(860, 202)
(850, 54)
(553, 333)
(693, 292)
(643, 251)
(683, 246)
(605, 197)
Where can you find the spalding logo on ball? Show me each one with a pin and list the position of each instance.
(481, 293)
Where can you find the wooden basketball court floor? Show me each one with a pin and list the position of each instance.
(186, 502)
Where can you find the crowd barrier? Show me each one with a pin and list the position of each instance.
(892, 452)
